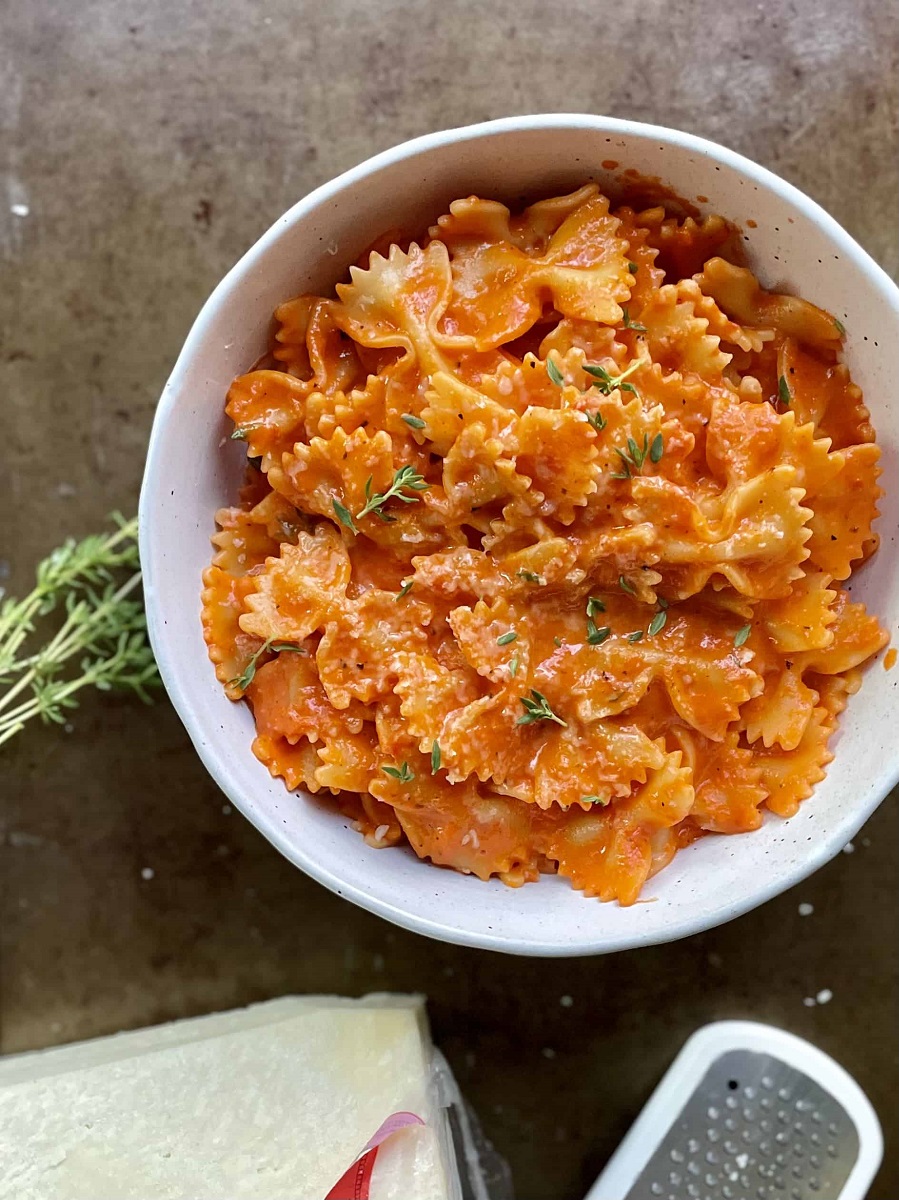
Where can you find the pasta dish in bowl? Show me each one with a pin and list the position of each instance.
(542, 557)
(543, 561)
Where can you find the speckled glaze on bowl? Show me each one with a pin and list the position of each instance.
(192, 469)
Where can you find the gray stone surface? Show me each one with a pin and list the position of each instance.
(152, 143)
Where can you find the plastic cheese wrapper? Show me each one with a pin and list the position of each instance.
(301, 1098)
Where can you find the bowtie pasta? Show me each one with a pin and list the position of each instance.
(541, 562)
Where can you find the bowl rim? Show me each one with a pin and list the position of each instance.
(823, 850)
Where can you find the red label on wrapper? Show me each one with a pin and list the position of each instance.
(355, 1184)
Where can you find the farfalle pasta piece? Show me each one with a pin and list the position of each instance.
(738, 293)
(844, 511)
(311, 346)
(542, 568)
(575, 765)
(337, 468)
(474, 221)
(289, 702)
(479, 470)
(245, 539)
(399, 301)
(490, 639)
(296, 765)
(349, 763)
(823, 393)
(781, 713)
(753, 535)
(268, 409)
(451, 406)
(290, 350)
(301, 589)
(648, 275)
(360, 408)
(394, 736)
(358, 650)
(610, 854)
(683, 246)
(693, 655)
(790, 775)
(460, 571)
(834, 690)
(857, 636)
(719, 325)
(594, 342)
(585, 265)
(745, 441)
(555, 451)
(802, 620)
(583, 270)
(429, 691)
(461, 827)
(484, 740)
(230, 648)
(679, 338)
(728, 792)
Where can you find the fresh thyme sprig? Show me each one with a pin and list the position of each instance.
(405, 477)
(248, 674)
(344, 516)
(629, 324)
(635, 456)
(596, 636)
(537, 709)
(607, 383)
(104, 629)
(657, 624)
(555, 375)
(403, 774)
(242, 432)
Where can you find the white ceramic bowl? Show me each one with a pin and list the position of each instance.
(191, 471)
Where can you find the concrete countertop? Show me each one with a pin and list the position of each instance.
(145, 146)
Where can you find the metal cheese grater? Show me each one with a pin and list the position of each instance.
(748, 1112)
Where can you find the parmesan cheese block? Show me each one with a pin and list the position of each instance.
(270, 1102)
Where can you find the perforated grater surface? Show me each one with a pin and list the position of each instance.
(748, 1112)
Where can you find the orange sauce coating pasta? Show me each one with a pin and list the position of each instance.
(544, 566)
